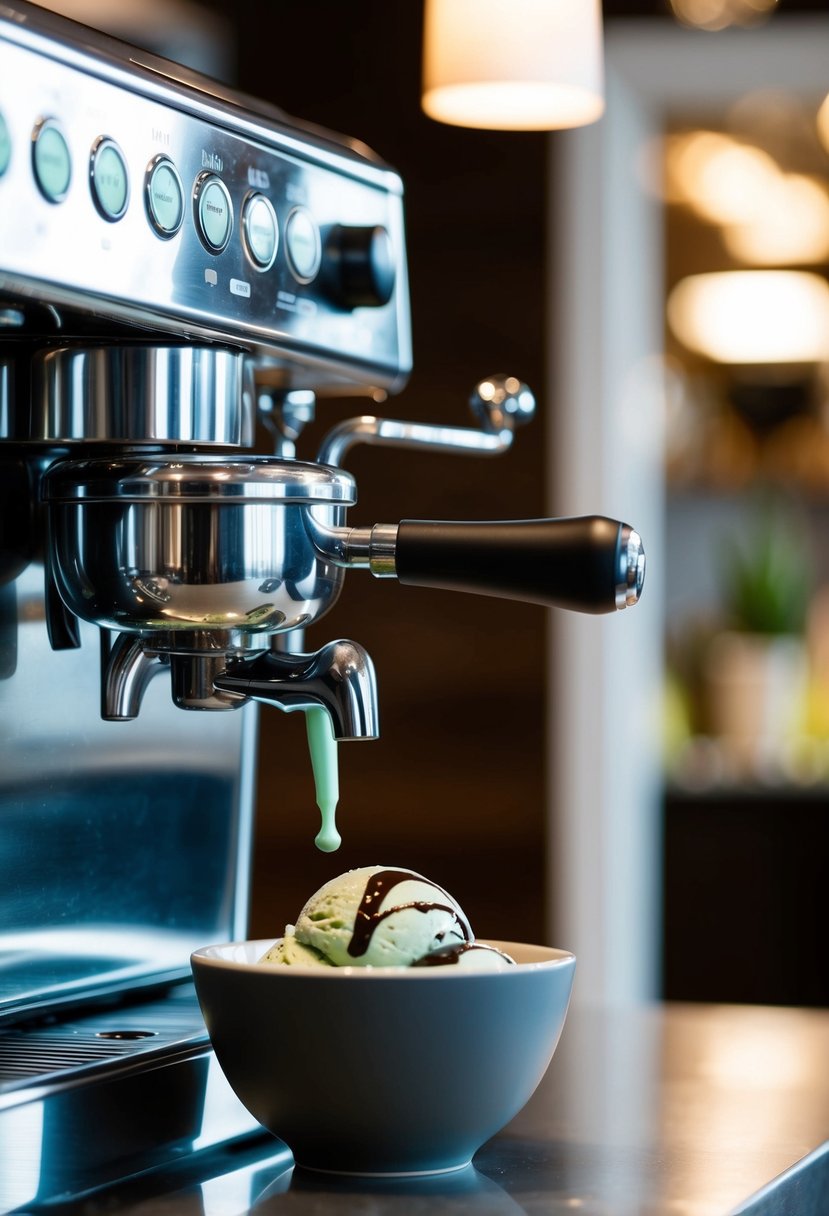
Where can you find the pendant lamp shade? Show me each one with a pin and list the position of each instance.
(513, 65)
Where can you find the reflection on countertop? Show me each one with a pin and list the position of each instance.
(693, 1110)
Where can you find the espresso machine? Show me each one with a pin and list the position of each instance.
(178, 263)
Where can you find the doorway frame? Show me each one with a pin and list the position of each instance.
(605, 455)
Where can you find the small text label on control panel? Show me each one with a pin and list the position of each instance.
(212, 161)
(258, 179)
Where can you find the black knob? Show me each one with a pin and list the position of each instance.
(359, 266)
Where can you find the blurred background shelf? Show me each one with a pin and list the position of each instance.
(746, 872)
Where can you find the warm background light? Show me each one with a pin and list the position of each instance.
(719, 14)
(516, 65)
(790, 227)
(753, 316)
(767, 217)
(721, 178)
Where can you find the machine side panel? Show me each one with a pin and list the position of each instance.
(123, 845)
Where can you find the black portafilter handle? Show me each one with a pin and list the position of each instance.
(587, 564)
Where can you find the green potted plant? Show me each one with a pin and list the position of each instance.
(767, 582)
(756, 666)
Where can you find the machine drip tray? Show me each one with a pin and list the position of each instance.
(93, 1100)
(59, 1051)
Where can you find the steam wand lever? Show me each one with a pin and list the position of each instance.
(498, 403)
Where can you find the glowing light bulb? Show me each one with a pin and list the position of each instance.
(753, 316)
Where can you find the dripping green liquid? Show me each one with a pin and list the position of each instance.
(323, 748)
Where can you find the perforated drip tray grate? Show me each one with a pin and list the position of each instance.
(46, 1054)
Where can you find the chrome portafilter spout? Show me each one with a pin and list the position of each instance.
(335, 688)
(126, 671)
(339, 678)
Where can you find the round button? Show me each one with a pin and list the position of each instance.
(51, 161)
(108, 179)
(164, 196)
(302, 242)
(5, 146)
(260, 229)
(214, 211)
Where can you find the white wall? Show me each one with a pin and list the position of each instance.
(606, 446)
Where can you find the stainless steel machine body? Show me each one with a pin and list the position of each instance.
(157, 238)
(173, 259)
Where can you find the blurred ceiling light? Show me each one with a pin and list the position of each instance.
(753, 316)
(719, 14)
(513, 65)
(722, 179)
(823, 122)
(790, 227)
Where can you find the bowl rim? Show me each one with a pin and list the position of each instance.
(208, 956)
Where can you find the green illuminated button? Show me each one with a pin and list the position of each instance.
(261, 232)
(214, 212)
(302, 242)
(109, 180)
(51, 161)
(165, 197)
(5, 146)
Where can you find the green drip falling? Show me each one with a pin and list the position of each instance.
(323, 748)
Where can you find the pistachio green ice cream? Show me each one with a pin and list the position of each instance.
(380, 916)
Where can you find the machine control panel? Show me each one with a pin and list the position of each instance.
(126, 195)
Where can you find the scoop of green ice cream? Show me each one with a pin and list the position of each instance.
(377, 916)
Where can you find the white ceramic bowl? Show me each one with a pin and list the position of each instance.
(383, 1070)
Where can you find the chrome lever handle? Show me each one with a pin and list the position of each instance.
(499, 403)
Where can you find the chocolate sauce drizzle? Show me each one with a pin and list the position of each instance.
(369, 914)
(446, 956)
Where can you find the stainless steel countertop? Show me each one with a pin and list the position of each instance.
(675, 1110)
